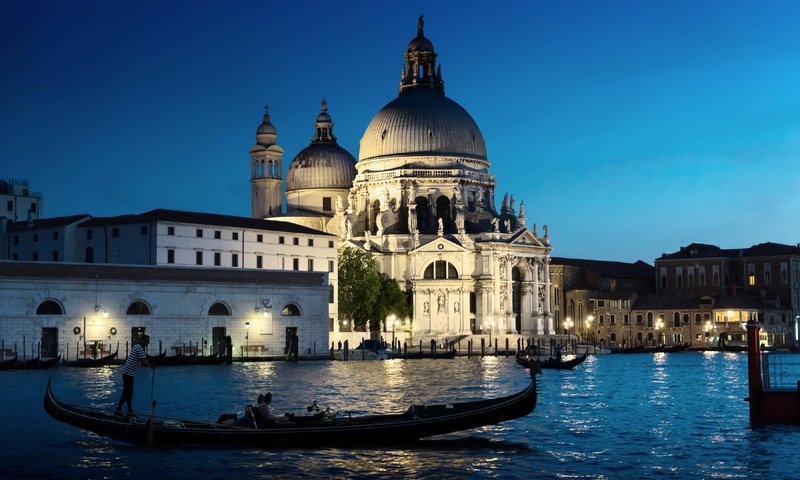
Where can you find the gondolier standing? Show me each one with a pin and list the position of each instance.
(135, 359)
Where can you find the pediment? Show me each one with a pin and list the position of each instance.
(526, 238)
(440, 245)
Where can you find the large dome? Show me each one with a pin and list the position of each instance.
(321, 165)
(422, 122)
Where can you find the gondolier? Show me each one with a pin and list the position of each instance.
(135, 359)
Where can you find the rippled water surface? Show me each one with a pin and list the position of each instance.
(616, 416)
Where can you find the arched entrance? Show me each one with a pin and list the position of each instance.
(516, 296)
(422, 214)
(443, 211)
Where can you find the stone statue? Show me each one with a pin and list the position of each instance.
(496, 224)
(456, 307)
(426, 307)
(412, 219)
(339, 204)
(507, 224)
(348, 228)
(522, 209)
(535, 233)
(440, 301)
(546, 232)
(385, 200)
(441, 226)
(480, 198)
(460, 218)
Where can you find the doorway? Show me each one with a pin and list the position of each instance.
(49, 347)
(218, 335)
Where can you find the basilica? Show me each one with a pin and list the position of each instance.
(421, 199)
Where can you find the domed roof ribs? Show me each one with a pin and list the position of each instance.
(323, 126)
(420, 70)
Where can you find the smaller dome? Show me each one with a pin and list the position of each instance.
(323, 164)
(266, 133)
(420, 44)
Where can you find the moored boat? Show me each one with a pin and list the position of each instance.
(323, 429)
(92, 362)
(555, 363)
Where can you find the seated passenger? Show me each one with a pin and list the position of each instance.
(265, 417)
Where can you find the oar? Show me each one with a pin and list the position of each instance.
(150, 431)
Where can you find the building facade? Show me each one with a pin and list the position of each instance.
(422, 200)
(74, 310)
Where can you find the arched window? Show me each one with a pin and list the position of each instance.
(690, 281)
(49, 307)
(291, 310)
(702, 278)
(440, 270)
(663, 280)
(138, 308)
(613, 337)
(676, 319)
(422, 214)
(218, 309)
(89, 256)
(443, 211)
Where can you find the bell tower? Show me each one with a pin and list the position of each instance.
(266, 182)
(420, 71)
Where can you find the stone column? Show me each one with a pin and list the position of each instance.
(548, 315)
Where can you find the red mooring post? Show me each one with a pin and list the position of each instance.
(754, 372)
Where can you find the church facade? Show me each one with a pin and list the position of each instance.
(421, 199)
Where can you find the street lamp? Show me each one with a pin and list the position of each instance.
(589, 321)
(488, 326)
(247, 336)
(659, 326)
(568, 323)
(392, 320)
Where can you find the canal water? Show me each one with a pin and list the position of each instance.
(679, 415)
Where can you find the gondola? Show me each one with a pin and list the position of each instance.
(555, 363)
(37, 363)
(92, 362)
(322, 429)
(8, 364)
(446, 354)
(634, 349)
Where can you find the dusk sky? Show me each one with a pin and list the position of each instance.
(630, 128)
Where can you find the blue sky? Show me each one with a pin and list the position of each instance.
(630, 128)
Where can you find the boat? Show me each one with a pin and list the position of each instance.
(591, 349)
(45, 364)
(668, 349)
(773, 398)
(366, 350)
(8, 364)
(321, 429)
(527, 362)
(634, 349)
(92, 362)
(447, 354)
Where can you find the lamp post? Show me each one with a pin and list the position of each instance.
(589, 320)
(392, 320)
(659, 326)
(488, 326)
(568, 323)
(247, 336)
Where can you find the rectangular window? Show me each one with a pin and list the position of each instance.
(115, 232)
(330, 243)
(170, 230)
(35, 237)
(310, 242)
(639, 319)
(259, 238)
(330, 266)
(217, 259)
(625, 319)
(295, 264)
(602, 320)
(612, 319)
(55, 255)
(310, 265)
(281, 240)
(217, 234)
(296, 241)
(89, 234)
(170, 256)
(330, 294)
(34, 207)
(198, 258)
(235, 235)
(55, 235)
(697, 318)
(326, 204)
(199, 233)
(16, 239)
(259, 261)
(235, 260)
(143, 230)
(601, 304)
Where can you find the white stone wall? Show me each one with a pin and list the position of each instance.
(179, 314)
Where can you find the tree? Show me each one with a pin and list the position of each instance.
(364, 294)
(359, 285)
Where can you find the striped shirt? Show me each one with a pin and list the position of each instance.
(134, 360)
